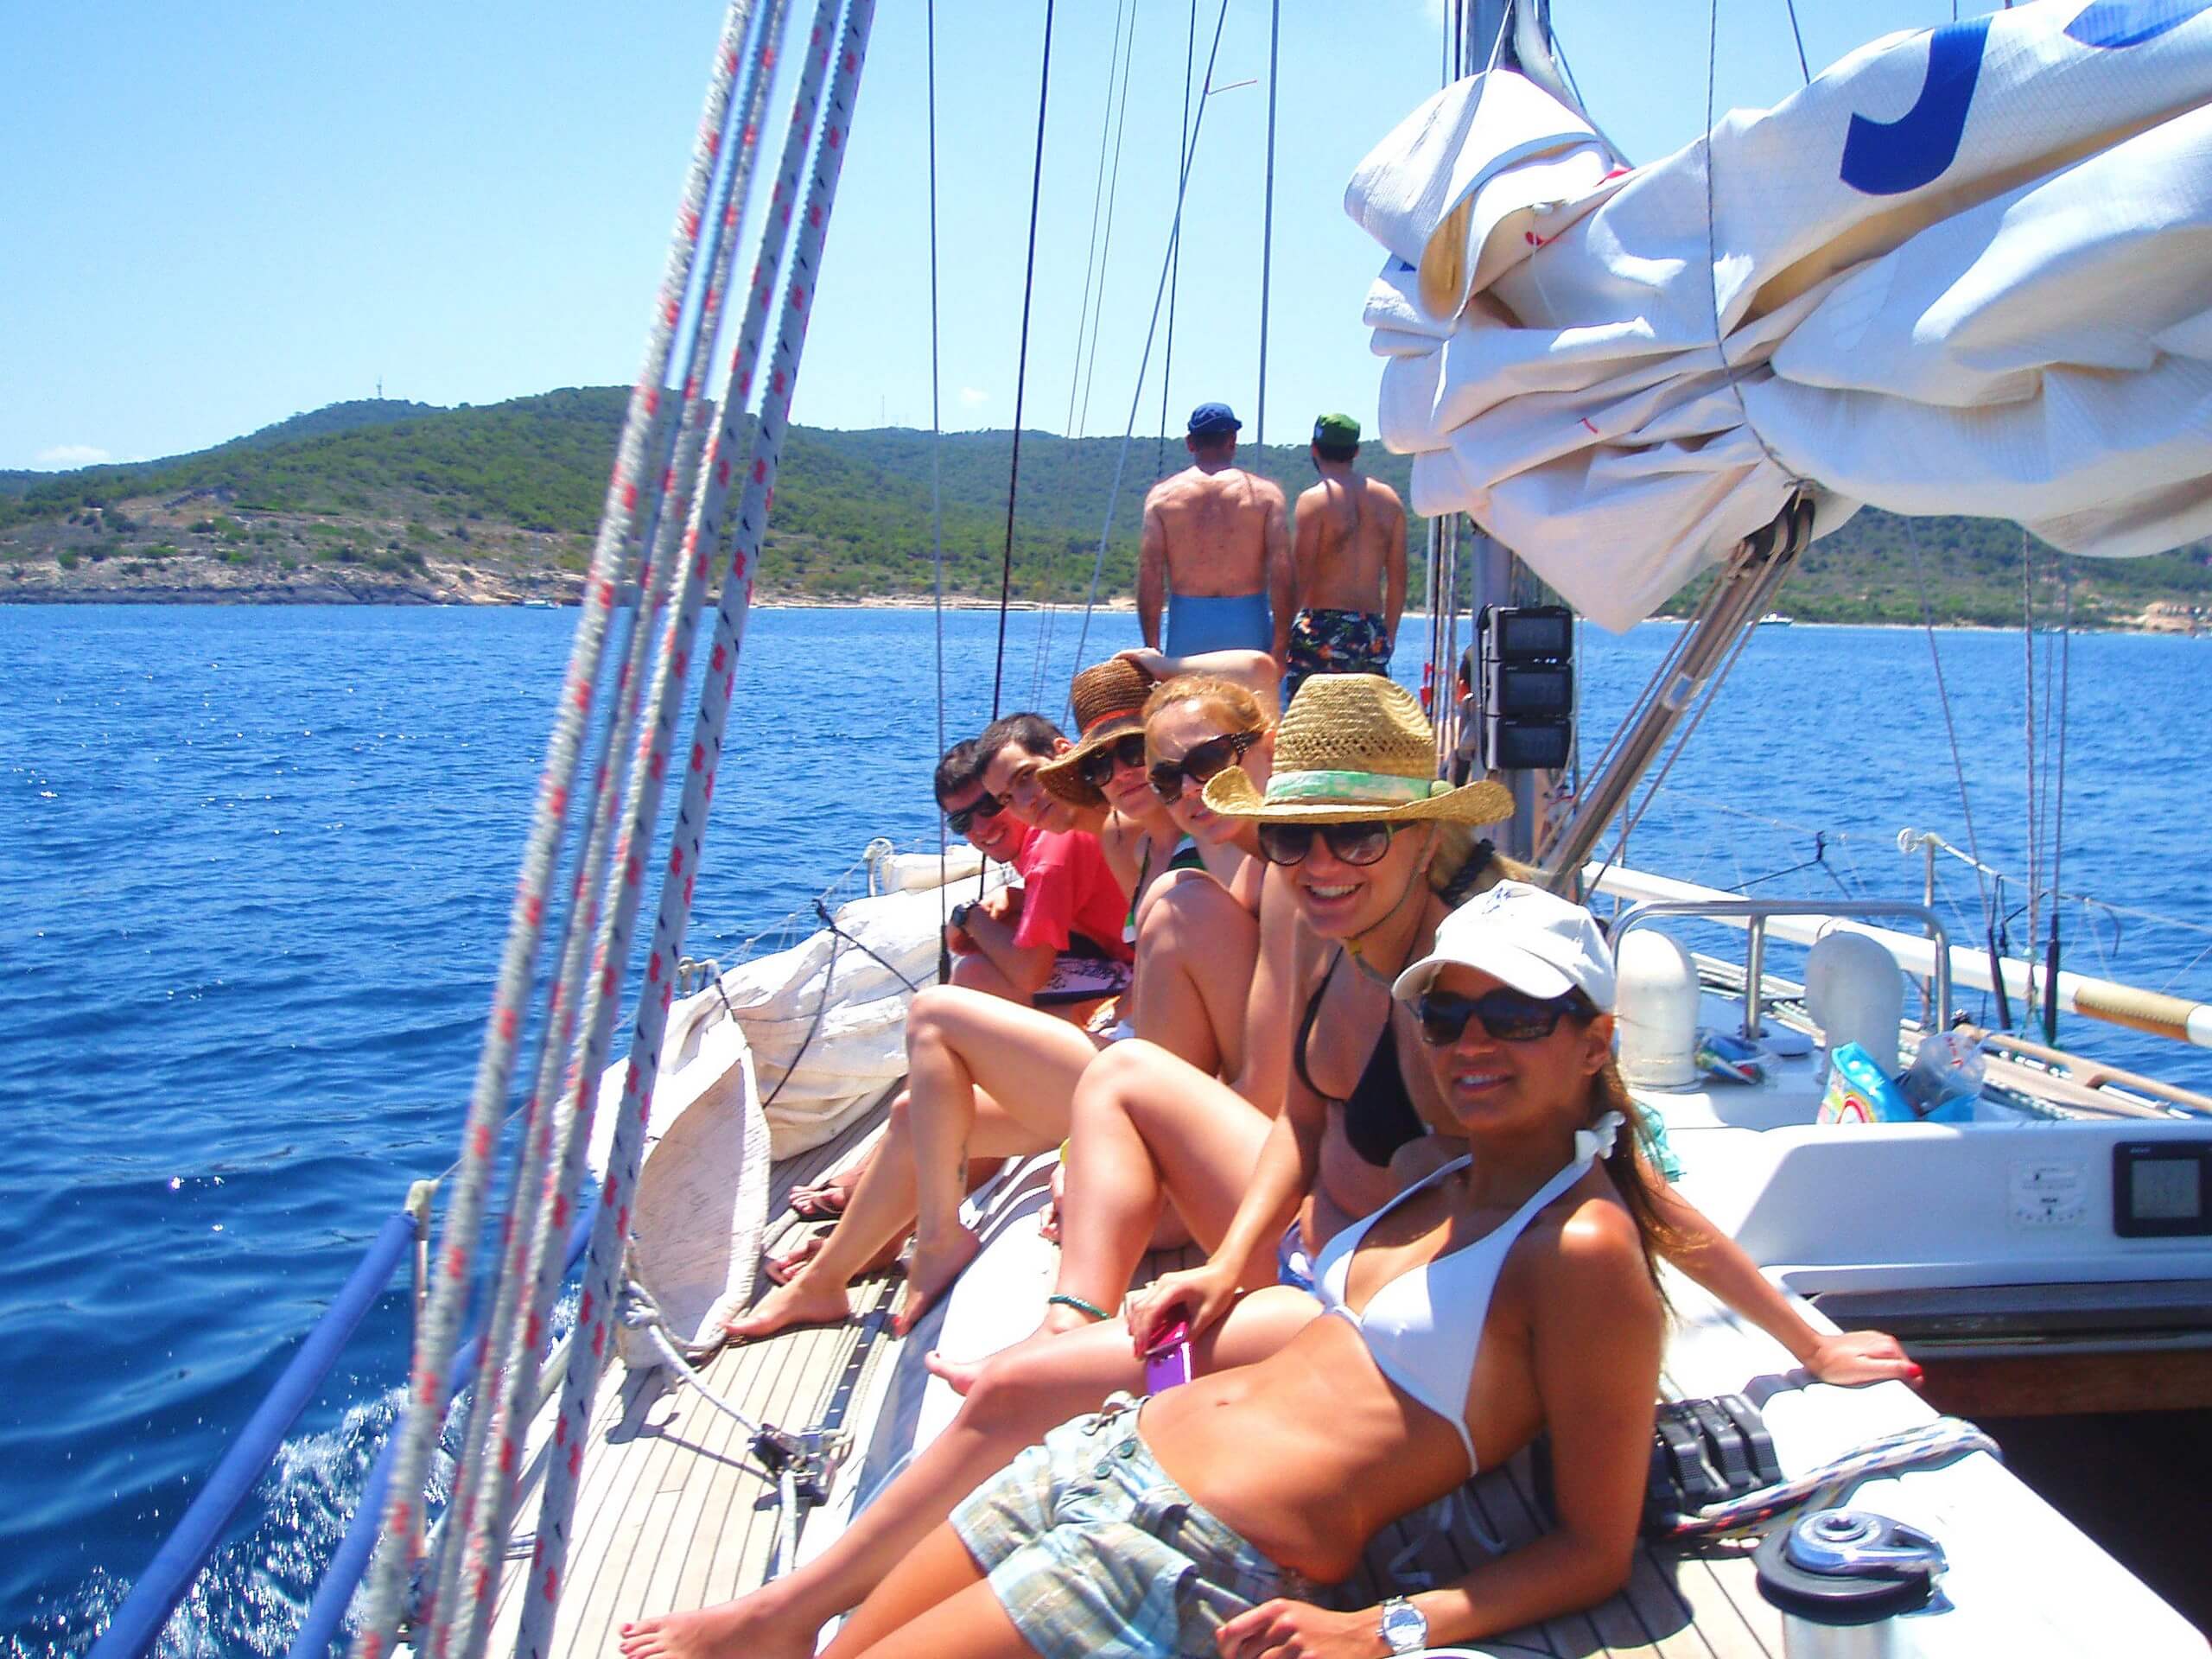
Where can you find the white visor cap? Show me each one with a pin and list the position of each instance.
(1535, 941)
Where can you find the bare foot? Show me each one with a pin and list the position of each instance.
(785, 1268)
(1048, 1223)
(752, 1627)
(825, 1199)
(803, 1301)
(960, 1373)
(930, 1272)
(782, 1269)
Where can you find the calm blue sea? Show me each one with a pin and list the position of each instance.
(254, 867)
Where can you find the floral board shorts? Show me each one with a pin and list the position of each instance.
(1096, 1553)
(1335, 642)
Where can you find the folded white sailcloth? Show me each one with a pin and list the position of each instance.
(1965, 271)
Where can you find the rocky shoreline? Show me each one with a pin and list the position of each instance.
(194, 579)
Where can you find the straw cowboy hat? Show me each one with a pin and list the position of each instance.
(1108, 699)
(1354, 748)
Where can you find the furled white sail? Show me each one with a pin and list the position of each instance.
(1967, 270)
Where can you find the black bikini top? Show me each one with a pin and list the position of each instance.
(1379, 1114)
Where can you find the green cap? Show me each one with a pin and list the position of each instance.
(1340, 431)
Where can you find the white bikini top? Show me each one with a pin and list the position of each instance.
(1429, 1357)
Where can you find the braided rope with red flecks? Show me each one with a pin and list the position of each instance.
(603, 1258)
(630, 481)
(552, 1156)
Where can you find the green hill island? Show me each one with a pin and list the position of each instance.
(388, 502)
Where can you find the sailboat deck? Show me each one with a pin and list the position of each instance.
(671, 1512)
(672, 1515)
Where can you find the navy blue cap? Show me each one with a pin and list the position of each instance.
(1210, 418)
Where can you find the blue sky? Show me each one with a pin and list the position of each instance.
(218, 216)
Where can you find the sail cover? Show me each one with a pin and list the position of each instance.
(1967, 270)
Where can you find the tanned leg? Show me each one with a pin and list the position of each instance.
(936, 1602)
(1147, 1129)
(956, 1043)
(977, 973)
(1195, 948)
(878, 1215)
(1017, 1397)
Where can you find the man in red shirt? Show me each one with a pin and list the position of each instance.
(972, 810)
(1057, 941)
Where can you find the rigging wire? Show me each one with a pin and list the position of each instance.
(1113, 199)
(937, 506)
(1797, 35)
(1106, 247)
(1267, 221)
(1022, 361)
(1098, 201)
(2028, 733)
(1136, 392)
(1041, 661)
(1187, 138)
(1950, 723)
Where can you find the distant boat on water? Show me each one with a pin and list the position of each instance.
(1775, 620)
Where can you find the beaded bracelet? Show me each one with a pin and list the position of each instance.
(1063, 1300)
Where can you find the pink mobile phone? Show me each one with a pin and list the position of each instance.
(1168, 1362)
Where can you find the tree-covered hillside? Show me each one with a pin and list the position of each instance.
(394, 491)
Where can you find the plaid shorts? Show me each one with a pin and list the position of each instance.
(1093, 1550)
(1081, 972)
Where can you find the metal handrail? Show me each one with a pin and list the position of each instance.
(1754, 913)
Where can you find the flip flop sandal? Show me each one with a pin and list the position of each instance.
(824, 1201)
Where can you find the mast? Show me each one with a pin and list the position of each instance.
(1492, 576)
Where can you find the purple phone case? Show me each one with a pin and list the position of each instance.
(1168, 1362)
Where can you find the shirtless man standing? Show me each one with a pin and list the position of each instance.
(1352, 550)
(1215, 549)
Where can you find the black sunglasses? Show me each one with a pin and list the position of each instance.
(1202, 761)
(1096, 766)
(1509, 1016)
(1349, 843)
(986, 805)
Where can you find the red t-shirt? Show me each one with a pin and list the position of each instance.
(1068, 889)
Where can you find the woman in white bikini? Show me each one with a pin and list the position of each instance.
(1513, 1290)
(1021, 1392)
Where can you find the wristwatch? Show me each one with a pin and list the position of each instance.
(1404, 1627)
(958, 916)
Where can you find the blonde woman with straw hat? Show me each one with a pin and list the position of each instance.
(1367, 852)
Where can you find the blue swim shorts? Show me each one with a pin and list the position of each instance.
(1203, 622)
(1096, 1553)
(1294, 1265)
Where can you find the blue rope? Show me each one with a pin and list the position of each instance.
(138, 1623)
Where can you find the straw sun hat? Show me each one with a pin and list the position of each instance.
(1355, 748)
(1108, 699)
